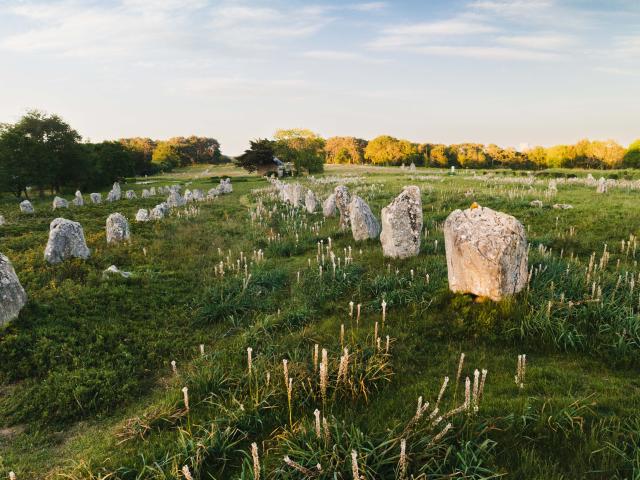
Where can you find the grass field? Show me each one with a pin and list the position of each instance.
(87, 389)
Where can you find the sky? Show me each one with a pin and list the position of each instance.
(510, 72)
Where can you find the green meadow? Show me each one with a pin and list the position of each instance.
(88, 390)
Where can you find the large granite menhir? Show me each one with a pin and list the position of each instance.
(364, 224)
(12, 295)
(486, 253)
(402, 225)
(66, 240)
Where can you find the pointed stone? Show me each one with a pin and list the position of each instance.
(402, 225)
(12, 295)
(364, 224)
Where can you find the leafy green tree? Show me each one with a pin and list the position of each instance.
(166, 156)
(143, 148)
(111, 161)
(195, 149)
(632, 155)
(40, 150)
(345, 150)
(258, 157)
(302, 147)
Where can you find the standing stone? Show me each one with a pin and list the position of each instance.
(115, 194)
(343, 199)
(130, 195)
(152, 191)
(213, 193)
(364, 224)
(145, 193)
(96, 198)
(329, 206)
(188, 195)
(486, 253)
(553, 187)
(78, 201)
(225, 186)
(59, 202)
(176, 200)
(142, 215)
(2, 220)
(12, 295)
(412, 167)
(159, 211)
(296, 194)
(117, 228)
(402, 225)
(26, 207)
(66, 240)
(602, 185)
(198, 195)
(310, 201)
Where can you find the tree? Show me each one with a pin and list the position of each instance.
(166, 156)
(193, 149)
(258, 157)
(143, 148)
(631, 157)
(439, 156)
(303, 148)
(387, 150)
(40, 150)
(538, 157)
(111, 161)
(345, 150)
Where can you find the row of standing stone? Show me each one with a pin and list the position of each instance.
(486, 250)
(67, 240)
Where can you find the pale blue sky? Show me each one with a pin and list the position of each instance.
(501, 71)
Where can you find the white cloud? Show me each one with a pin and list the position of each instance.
(541, 41)
(488, 52)
(367, 6)
(331, 55)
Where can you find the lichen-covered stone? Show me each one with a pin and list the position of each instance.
(78, 201)
(486, 253)
(12, 295)
(142, 215)
(536, 203)
(602, 185)
(96, 198)
(59, 202)
(26, 207)
(329, 206)
(66, 240)
(310, 201)
(402, 225)
(364, 224)
(130, 195)
(225, 186)
(343, 199)
(176, 200)
(159, 211)
(115, 194)
(117, 228)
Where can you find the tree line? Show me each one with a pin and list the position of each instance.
(308, 151)
(387, 150)
(43, 152)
